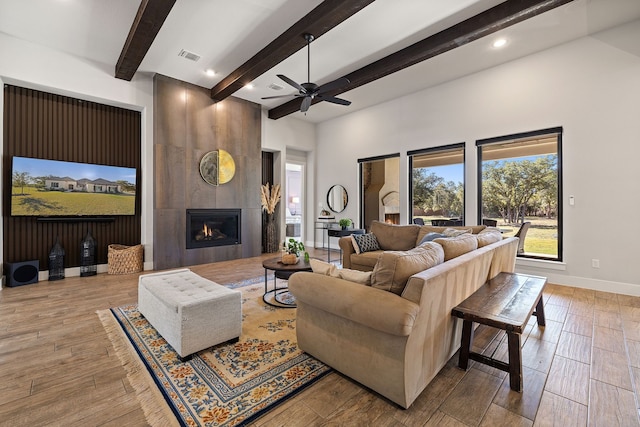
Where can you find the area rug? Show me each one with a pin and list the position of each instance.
(226, 385)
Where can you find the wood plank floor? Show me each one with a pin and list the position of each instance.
(57, 366)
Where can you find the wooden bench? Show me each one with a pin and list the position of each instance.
(505, 302)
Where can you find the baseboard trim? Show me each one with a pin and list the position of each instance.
(584, 282)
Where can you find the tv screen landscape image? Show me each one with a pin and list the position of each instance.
(53, 188)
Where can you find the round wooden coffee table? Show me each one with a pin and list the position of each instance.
(283, 272)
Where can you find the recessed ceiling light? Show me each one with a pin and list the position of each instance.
(499, 43)
(209, 72)
(249, 86)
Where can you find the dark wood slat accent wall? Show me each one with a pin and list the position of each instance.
(267, 167)
(44, 125)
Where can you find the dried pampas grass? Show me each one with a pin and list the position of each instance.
(270, 197)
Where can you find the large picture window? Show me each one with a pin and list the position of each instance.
(520, 189)
(437, 185)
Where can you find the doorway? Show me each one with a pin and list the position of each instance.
(294, 200)
(379, 190)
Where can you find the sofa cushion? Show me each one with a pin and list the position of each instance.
(456, 246)
(328, 269)
(488, 236)
(426, 229)
(394, 268)
(365, 242)
(393, 237)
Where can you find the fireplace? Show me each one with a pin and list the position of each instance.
(213, 227)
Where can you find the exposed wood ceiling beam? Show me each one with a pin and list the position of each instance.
(324, 17)
(149, 19)
(488, 22)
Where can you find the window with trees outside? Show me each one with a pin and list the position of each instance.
(437, 185)
(521, 182)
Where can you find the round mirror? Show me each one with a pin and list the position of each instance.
(337, 198)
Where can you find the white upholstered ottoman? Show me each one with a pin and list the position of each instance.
(189, 311)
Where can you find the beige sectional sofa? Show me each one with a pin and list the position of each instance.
(391, 238)
(393, 343)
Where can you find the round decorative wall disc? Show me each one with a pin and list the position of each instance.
(227, 167)
(217, 167)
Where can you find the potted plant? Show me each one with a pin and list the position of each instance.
(345, 223)
(291, 251)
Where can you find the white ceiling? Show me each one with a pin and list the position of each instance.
(227, 33)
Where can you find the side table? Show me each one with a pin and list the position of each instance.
(283, 272)
(334, 232)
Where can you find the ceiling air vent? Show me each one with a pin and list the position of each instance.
(189, 55)
(275, 86)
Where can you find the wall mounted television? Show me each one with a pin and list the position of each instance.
(55, 189)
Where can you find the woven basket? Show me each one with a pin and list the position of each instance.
(125, 259)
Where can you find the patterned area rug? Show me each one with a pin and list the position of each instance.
(226, 385)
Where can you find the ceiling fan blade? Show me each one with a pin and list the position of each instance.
(334, 100)
(292, 83)
(279, 96)
(306, 103)
(335, 84)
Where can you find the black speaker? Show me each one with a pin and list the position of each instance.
(22, 273)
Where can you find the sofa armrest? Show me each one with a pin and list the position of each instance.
(347, 249)
(374, 308)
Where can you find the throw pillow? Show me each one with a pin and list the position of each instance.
(456, 246)
(488, 236)
(321, 267)
(364, 242)
(362, 277)
(429, 237)
(393, 269)
(454, 232)
(328, 269)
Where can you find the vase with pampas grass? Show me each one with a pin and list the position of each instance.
(269, 198)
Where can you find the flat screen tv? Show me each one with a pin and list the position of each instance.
(52, 188)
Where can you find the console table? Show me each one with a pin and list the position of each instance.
(335, 232)
(505, 302)
(324, 225)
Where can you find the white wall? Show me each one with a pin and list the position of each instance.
(295, 136)
(37, 67)
(588, 87)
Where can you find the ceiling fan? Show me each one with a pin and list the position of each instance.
(309, 91)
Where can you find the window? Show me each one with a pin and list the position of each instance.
(521, 181)
(379, 190)
(437, 185)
